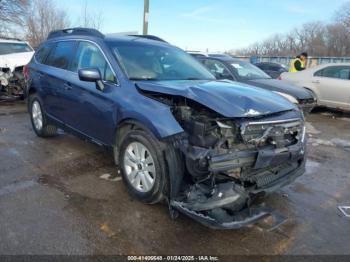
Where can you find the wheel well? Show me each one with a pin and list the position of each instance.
(32, 90)
(127, 125)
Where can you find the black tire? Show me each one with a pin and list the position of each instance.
(46, 130)
(161, 181)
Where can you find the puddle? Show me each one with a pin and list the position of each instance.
(13, 188)
(51, 181)
(320, 142)
(311, 166)
(54, 182)
(344, 144)
(13, 151)
(335, 142)
(310, 129)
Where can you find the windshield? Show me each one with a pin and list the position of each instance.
(10, 48)
(153, 62)
(247, 71)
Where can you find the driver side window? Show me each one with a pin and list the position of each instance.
(88, 55)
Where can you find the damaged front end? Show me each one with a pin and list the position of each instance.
(12, 82)
(230, 162)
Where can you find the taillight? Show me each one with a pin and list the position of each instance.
(26, 72)
(279, 78)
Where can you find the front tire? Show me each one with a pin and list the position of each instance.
(143, 167)
(38, 119)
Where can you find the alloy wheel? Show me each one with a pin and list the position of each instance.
(139, 167)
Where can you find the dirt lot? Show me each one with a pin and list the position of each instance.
(54, 201)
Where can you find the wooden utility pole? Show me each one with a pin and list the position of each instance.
(145, 17)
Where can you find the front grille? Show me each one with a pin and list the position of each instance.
(269, 176)
(278, 133)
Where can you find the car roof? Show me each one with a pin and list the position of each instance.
(334, 64)
(224, 59)
(11, 40)
(321, 66)
(94, 35)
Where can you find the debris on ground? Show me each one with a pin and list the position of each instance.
(345, 210)
(109, 177)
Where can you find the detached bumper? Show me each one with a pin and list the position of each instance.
(227, 207)
(240, 219)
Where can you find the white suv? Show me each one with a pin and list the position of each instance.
(14, 55)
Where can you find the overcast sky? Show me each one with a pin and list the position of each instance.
(218, 25)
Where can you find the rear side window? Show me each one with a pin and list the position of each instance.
(61, 55)
(89, 55)
(42, 53)
(339, 72)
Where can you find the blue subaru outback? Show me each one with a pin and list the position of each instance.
(207, 147)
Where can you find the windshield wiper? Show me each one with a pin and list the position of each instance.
(143, 78)
(196, 78)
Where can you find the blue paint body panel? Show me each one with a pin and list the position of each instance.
(97, 114)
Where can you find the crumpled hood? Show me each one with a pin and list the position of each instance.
(230, 99)
(281, 86)
(13, 60)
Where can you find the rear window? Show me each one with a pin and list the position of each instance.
(11, 48)
(61, 55)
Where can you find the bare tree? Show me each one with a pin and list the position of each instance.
(44, 17)
(90, 19)
(317, 38)
(12, 14)
(343, 16)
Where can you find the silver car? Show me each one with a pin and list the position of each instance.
(329, 82)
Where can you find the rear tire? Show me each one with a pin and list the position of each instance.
(143, 166)
(38, 118)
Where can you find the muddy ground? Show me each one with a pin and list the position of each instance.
(55, 198)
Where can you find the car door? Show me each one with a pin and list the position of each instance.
(333, 86)
(93, 111)
(55, 77)
(217, 68)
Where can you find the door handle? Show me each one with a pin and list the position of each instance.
(316, 81)
(67, 86)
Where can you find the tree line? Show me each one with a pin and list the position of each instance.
(317, 38)
(34, 19)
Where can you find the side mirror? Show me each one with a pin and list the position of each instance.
(91, 75)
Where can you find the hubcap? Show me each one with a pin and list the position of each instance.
(37, 115)
(139, 167)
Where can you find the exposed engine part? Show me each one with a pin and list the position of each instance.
(12, 84)
(229, 162)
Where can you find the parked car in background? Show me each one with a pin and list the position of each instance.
(244, 72)
(330, 84)
(14, 55)
(272, 69)
(203, 54)
(208, 147)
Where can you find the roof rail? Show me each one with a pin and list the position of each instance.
(75, 31)
(10, 38)
(152, 37)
